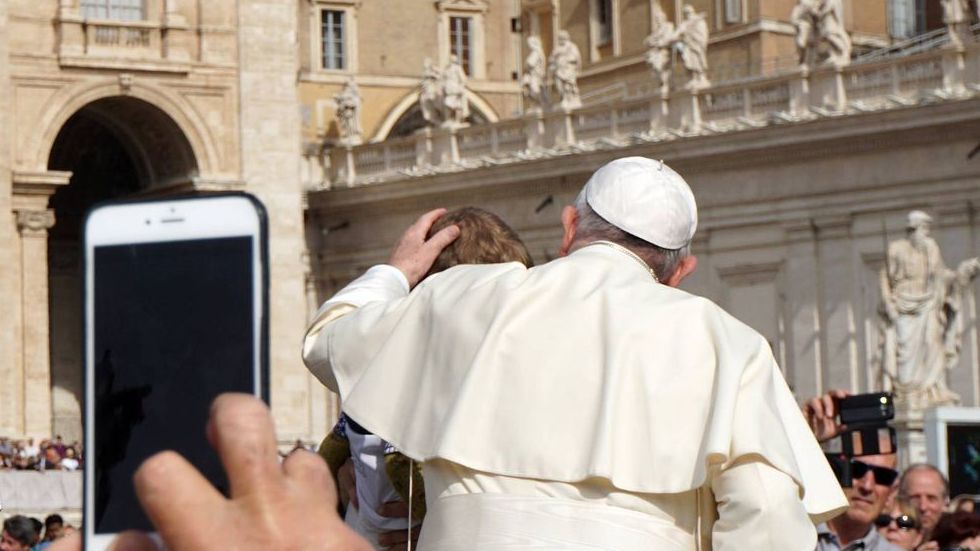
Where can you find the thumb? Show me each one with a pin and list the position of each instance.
(442, 239)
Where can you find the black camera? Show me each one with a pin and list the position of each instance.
(867, 432)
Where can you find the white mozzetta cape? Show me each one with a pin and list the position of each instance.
(582, 367)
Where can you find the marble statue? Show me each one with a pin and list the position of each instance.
(821, 22)
(564, 64)
(659, 45)
(349, 113)
(532, 81)
(455, 104)
(429, 93)
(691, 40)
(956, 16)
(920, 318)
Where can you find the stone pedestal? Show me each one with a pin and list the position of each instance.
(828, 90)
(535, 131)
(659, 111)
(563, 127)
(954, 71)
(423, 146)
(445, 146)
(908, 425)
(799, 94)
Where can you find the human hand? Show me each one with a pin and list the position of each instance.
(413, 254)
(272, 506)
(821, 415)
(348, 483)
(397, 540)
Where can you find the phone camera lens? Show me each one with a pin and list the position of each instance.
(147, 221)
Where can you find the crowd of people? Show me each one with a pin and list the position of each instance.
(48, 454)
(22, 533)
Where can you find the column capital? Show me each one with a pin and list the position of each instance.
(34, 223)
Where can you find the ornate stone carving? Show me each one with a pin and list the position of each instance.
(532, 81)
(564, 65)
(349, 113)
(659, 45)
(34, 223)
(691, 39)
(125, 83)
(455, 104)
(818, 23)
(429, 92)
(956, 15)
(920, 320)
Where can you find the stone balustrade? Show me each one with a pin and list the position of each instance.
(150, 45)
(942, 74)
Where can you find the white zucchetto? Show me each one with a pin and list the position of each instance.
(645, 198)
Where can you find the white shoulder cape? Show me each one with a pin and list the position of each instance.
(582, 367)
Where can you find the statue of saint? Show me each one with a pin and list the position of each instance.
(429, 93)
(456, 106)
(349, 113)
(564, 64)
(820, 22)
(691, 39)
(920, 320)
(532, 81)
(956, 15)
(659, 47)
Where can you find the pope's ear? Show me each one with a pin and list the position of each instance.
(685, 267)
(569, 223)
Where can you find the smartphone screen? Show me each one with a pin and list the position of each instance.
(172, 324)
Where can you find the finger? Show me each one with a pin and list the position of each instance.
(814, 409)
(394, 509)
(72, 542)
(425, 222)
(442, 239)
(829, 408)
(307, 471)
(132, 540)
(176, 497)
(242, 432)
(839, 394)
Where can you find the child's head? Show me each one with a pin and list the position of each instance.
(483, 239)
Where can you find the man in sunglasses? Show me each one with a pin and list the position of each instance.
(872, 477)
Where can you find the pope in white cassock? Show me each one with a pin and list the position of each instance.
(587, 403)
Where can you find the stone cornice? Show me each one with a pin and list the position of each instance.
(39, 184)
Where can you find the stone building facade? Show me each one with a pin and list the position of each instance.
(109, 98)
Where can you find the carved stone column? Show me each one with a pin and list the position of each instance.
(804, 369)
(31, 191)
(33, 227)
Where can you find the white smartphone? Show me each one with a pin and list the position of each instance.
(176, 312)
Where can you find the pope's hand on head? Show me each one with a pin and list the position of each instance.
(414, 254)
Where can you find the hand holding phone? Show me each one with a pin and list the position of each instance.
(175, 314)
(271, 506)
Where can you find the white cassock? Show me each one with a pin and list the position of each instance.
(576, 405)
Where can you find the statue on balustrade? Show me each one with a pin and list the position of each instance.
(564, 64)
(956, 16)
(659, 45)
(691, 40)
(920, 320)
(349, 113)
(455, 104)
(532, 81)
(429, 93)
(821, 23)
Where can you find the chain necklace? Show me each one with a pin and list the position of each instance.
(629, 253)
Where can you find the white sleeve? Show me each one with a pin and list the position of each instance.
(759, 508)
(381, 283)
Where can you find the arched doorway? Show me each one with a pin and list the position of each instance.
(114, 147)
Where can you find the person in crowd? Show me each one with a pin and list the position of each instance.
(590, 386)
(900, 526)
(54, 528)
(959, 530)
(381, 472)
(925, 486)
(964, 502)
(69, 462)
(872, 477)
(18, 534)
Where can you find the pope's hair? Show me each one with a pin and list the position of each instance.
(483, 239)
(592, 227)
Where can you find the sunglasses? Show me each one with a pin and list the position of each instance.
(883, 475)
(904, 522)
